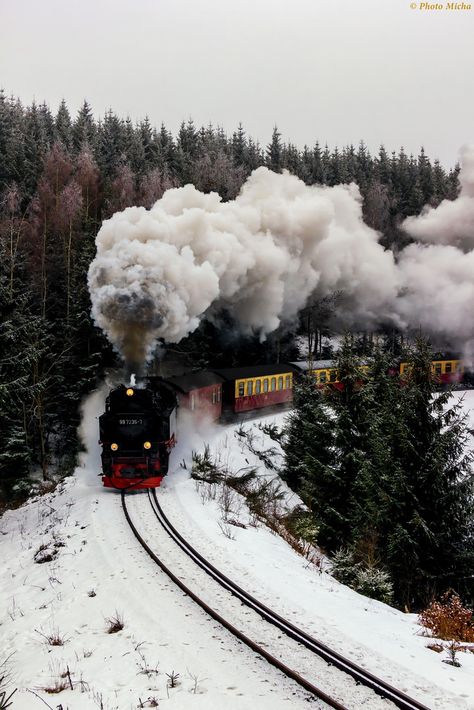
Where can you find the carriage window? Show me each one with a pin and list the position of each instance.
(192, 402)
(241, 389)
(249, 388)
(322, 377)
(288, 382)
(437, 368)
(214, 396)
(265, 385)
(274, 384)
(448, 367)
(280, 383)
(258, 386)
(332, 375)
(219, 394)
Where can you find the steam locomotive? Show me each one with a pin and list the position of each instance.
(137, 433)
(138, 429)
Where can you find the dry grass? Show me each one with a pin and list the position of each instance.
(59, 685)
(114, 623)
(54, 638)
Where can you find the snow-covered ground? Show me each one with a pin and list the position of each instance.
(98, 570)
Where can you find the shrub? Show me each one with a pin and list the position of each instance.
(344, 567)
(448, 619)
(371, 581)
(374, 583)
(301, 524)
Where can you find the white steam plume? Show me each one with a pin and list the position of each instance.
(157, 273)
(261, 256)
(452, 222)
(438, 278)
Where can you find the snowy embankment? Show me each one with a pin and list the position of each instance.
(98, 570)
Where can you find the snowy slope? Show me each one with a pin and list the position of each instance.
(163, 630)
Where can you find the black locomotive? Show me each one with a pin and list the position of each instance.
(137, 433)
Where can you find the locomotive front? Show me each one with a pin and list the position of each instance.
(137, 433)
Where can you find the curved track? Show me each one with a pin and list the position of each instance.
(289, 672)
(359, 674)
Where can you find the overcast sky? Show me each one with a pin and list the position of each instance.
(333, 70)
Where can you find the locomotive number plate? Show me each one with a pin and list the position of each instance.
(130, 421)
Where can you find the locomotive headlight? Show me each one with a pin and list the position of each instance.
(147, 445)
(130, 392)
(114, 447)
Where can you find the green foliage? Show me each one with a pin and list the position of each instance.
(60, 176)
(301, 524)
(272, 431)
(204, 468)
(344, 566)
(373, 582)
(387, 474)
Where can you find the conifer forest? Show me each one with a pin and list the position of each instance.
(61, 175)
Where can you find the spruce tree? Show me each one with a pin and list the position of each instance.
(274, 152)
(372, 508)
(63, 126)
(349, 417)
(84, 129)
(310, 467)
(429, 548)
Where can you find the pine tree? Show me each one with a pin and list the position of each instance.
(429, 547)
(63, 126)
(186, 152)
(35, 147)
(349, 160)
(425, 177)
(346, 401)
(84, 129)
(290, 159)
(274, 152)
(439, 184)
(383, 168)
(372, 510)
(306, 166)
(110, 145)
(254, 156)
(319, 173)
(310, 467)
(365, 167)
(47, 123)
(238, 145)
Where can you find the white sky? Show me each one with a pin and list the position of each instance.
(336, 70)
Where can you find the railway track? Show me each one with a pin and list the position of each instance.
(330, 657)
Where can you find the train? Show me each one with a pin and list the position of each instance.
(138, 429)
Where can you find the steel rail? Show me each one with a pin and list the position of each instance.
(289, 672)
(379, 686)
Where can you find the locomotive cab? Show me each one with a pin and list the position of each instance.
(137, 433)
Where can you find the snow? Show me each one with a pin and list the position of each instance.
(84, 530)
